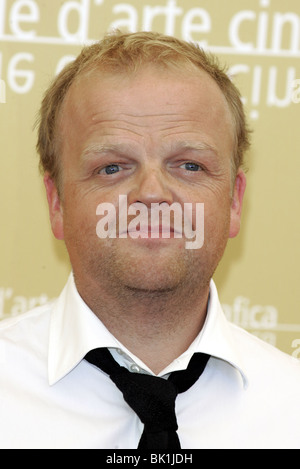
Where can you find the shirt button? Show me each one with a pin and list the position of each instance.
(134, 369)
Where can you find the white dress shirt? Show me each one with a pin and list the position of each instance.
(51, 398)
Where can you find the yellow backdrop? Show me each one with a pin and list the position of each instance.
(258, 279)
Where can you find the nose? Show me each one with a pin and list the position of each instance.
(151, 186)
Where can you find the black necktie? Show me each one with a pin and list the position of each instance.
(151, 397)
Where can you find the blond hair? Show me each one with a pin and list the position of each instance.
(127, 52)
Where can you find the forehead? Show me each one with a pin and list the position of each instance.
(152, 101)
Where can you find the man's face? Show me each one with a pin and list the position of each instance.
(154, 137)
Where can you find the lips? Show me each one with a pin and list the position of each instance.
(156, 231)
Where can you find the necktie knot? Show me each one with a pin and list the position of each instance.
(152, 398)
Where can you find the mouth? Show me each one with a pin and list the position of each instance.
(149, 231)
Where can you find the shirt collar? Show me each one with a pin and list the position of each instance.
(217, 338)
(75, 330)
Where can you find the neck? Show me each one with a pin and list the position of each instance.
(156, 326)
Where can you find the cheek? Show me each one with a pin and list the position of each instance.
(217, 219)
(79, 221)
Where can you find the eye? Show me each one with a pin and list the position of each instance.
(191, 166)
(110, 169)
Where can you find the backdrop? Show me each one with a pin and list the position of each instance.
(259, 40)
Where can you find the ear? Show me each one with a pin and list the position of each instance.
(237, 203)
(55, 207)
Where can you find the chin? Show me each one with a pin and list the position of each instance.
(159, 277)
(151, 287)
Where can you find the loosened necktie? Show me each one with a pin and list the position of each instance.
(152, 398)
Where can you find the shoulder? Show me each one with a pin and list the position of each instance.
(24, 344)
(265, 364)
(21, 320)
(29, 330)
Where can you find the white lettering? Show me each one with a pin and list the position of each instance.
(130, 23)
(109, 220)
(5, 294)
(17, 17)
(171, 11)
(296, 92)
(280, 20)
(189, 27)
(267, 80)
(263, 317)
(162, 220)
(2, 92)
(252, 317)
(140, 221)
(272, 99)
(20, 305)
(198, 233)
(14, 305)
(266, 27)
(2, 16)
(234, 30)
(165, 210)
(81, 8)
(295, 344)
(15, 75)
(262, 32)
(117, 459)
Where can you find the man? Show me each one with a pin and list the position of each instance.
(155, 121)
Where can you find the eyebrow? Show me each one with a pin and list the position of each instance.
(121, 148)
(194, 146)
(103, 148)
